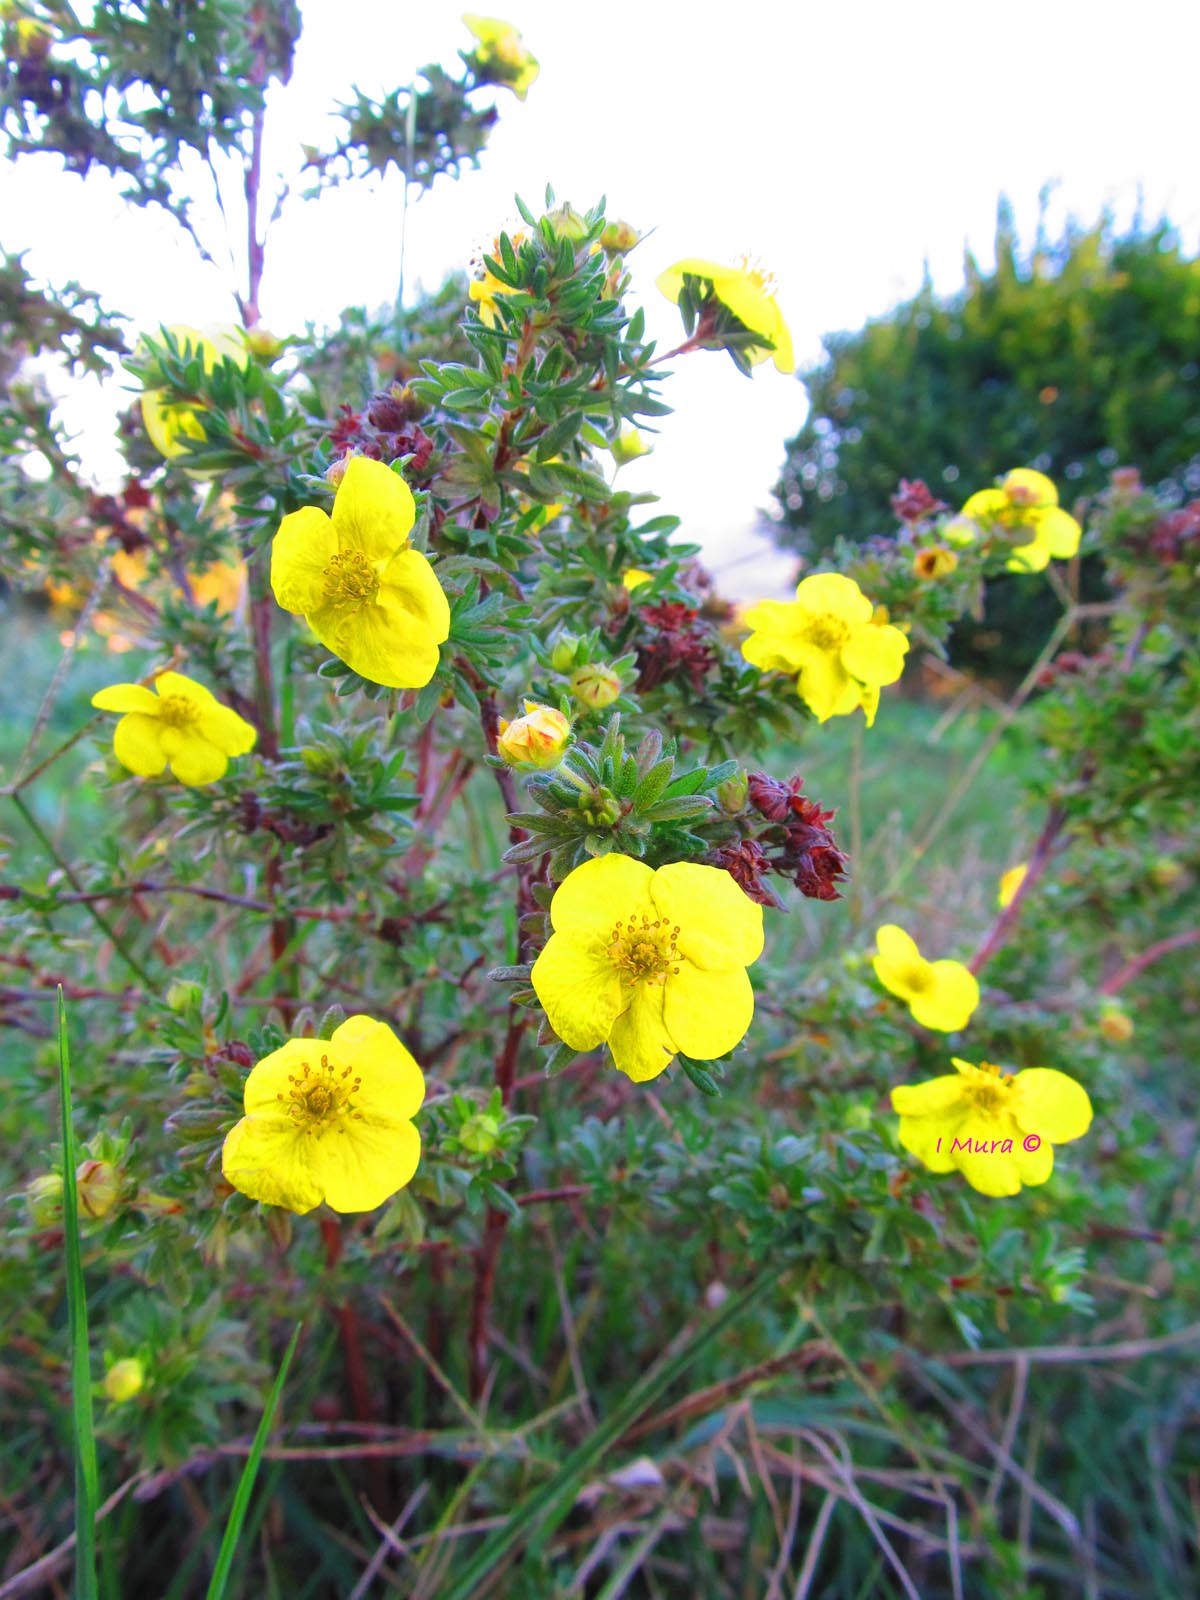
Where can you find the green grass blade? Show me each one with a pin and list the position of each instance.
(87, 1478)
(548, 1505)
(241, 1500)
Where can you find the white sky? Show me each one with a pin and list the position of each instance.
(845, 145)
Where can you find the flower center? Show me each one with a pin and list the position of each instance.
(918, 977)
(827, 632)
(644, 950)
(350, 580)
(755, 270)
(178, 712)
(992, 1095)
(320, 1097)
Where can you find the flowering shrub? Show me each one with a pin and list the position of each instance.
(533, 1059)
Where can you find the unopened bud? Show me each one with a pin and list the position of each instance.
(935, 561)
(599, 808)
(562, 656)
(619, 237)
(125, 1380)
(732, 794)
(182, 995)
(566, 223)
(537, 739)
(262, 343)
(336, 471)
(1116, 1025)
(44, 1198)
(596, 686)
(97, 1186)
(635, 577)
(960, 530)
(628, 446)
(480, 1134)
(1164, 872)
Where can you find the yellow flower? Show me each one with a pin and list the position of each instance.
(329, 1119)
(1027, 502)
(368, 597)
(177, 723)
(829, 636)
(651, 962)
(746, 291)
(170, 422)
(1010, 882)
(595, 686)
(934, 561)
(124, 1380)
(997, 1129)
(501, 55)
(537, 739)
(940, 994)
(635, 577)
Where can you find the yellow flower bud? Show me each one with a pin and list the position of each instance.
(1010, 882)
(124, 1380)
(1164, 872)
(634, 577)
(183, 994)
(336, 471)
(732, 794)
(935, 561)
(595, 686)
(97, 1186)
(1116, 1025)
(619, 238)
(537, 739)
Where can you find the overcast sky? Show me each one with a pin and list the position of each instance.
(845, 145)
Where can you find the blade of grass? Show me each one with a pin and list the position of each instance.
(241, 1500)
(549, 1505)
(87, 1478)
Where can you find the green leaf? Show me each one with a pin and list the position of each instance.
(241, 1499)
(87, 1477)
(652, 785)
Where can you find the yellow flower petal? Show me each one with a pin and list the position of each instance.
(985, 504)
(920, 1135)
(393, 1086)
(948, 1004)
(1051, 1104)
(137, 745)
(410, 584)
(640, 1043)
(359, 1167)
(194, 761)
(265, 1157)
(824, 684)
(1059, 532)
(707, 1012)
(898, 954)
(373, 511)
(934, 1098)
(831, 593)
(229, 732)
(382, 642)
(1024, 487)
(875, 655)
(300, 554)
(270, 1077)
(720, 926)
(126, 697)
(991, 1172)
(592, 898)
(1033, 1166)
(578, 987)
(1033, 557)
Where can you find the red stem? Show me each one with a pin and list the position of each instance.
(1043, 852)
(1152, 953)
